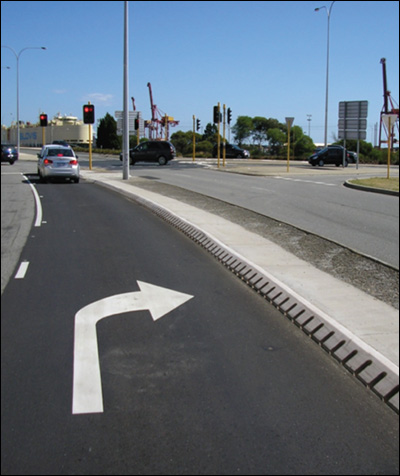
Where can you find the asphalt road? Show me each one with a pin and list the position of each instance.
(310, 198)
(222, 384)
(368, 223)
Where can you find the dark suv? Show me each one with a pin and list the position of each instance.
(333, 154)
(9, 153)
(152, 151)
(232, 151)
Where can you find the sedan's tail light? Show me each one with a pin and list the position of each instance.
(47, 161)
(73, 162)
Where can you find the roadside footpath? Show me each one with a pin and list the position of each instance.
(357, 329)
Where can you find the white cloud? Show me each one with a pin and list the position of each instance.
(104, 99)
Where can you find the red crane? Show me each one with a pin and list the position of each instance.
(387, 98)
(159, 120)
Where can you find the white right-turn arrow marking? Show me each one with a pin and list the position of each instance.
(87, 392)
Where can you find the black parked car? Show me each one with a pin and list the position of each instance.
(152, 151)
(333, 154)
(9, 153)
(232, 152)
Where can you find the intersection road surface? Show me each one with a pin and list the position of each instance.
(221, 384)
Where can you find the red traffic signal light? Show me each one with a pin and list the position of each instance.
(43, 120)
(88, 114)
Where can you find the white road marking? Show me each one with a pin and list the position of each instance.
(87, 394)
(306, 181)
(39, 211)
(23, 268)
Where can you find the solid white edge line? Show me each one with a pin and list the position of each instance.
(39, 212)
(23, 268)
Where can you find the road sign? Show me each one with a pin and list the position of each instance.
(353, 124)
(352, 135)
(353, 109)
(133, 115)
(353, 120)
(87, 396)
(289, 121)
(389, 120)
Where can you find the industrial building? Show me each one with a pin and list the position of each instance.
(65, 128)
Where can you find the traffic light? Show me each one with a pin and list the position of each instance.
(88, 114)
(216, 115)
(136, 124)
(43, 120)
(229, 111)
(197, 124)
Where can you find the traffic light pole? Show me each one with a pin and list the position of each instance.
(224, 140)
(219, 137)
(194, 138)
(90, 146)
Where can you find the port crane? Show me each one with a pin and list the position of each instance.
(159, 124)
(389, 107)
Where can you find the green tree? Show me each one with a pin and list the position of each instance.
(204, 147)
(260, 129)
(107, 137)
(210, 132)
(243, 128)
(301, 144)
(276, 139)
(183, 141)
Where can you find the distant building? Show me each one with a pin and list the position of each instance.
(66, 128)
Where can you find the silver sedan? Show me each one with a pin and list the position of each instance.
(56, 161)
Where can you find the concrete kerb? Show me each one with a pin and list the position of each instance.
(370, 189)
(370, 367)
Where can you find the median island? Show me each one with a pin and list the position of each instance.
(391, 184)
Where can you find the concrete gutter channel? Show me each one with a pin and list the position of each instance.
(367, 348)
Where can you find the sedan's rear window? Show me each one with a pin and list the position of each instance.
(60, 153)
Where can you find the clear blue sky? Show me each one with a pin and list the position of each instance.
(260, 58)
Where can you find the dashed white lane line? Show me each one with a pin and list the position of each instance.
(23, 268)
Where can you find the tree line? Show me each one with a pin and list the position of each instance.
(264, 137)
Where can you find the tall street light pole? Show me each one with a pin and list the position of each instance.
(17, 55)
(125, 130)
(327, 72)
